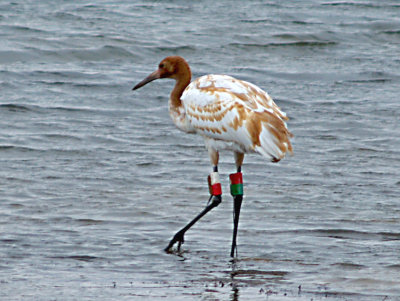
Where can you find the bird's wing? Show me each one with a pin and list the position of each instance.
(223, 108)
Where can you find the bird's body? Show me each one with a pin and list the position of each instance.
(235, 115)
(229, 114)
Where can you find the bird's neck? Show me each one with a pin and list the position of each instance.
(182, 78)
(176, 94)
(176, 109)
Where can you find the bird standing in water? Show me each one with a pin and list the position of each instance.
(230, 114)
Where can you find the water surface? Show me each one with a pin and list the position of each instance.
(95, 179)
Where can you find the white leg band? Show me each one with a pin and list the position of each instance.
(214, 176)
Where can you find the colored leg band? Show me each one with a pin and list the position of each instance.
(236, 183)
(214, 184)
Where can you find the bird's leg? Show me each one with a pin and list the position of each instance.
(237, 193)
(236, 181)
(214, 201)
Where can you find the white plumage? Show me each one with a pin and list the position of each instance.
(227, 111)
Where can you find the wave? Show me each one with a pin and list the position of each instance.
(91, 54)
(255, 21)
(23, 28)
(377, 4)
(9, 148)
(85, 258)
(391, 32)
(15, 108)
(373, 77)
(106, 52)
(6, 147)
(26, 108)
(304, 43)
(176, 50)
(350, 234)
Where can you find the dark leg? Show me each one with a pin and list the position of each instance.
(215, 200)
(237, 193)
(178, 237)
(237, 203)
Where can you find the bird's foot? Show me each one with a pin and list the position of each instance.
(214, 201)
(178, 238)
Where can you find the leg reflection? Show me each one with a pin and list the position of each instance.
(235, 290)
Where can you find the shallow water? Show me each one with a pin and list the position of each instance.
(95, 179)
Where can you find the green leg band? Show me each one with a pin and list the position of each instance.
(236, 189)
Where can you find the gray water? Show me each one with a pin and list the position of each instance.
(95, 179)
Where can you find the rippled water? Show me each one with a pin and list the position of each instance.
(95, 179)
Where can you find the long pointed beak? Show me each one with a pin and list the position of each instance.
(151, 77)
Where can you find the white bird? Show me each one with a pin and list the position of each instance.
(230, 114)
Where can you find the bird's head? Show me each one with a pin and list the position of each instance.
(171, 67)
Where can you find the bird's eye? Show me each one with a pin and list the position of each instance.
(161, 66)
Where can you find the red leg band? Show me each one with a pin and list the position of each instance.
(215, 188)
(236, 178)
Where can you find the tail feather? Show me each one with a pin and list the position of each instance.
(274, 146)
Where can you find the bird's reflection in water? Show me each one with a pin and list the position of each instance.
(235, 290)
(235, 293)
